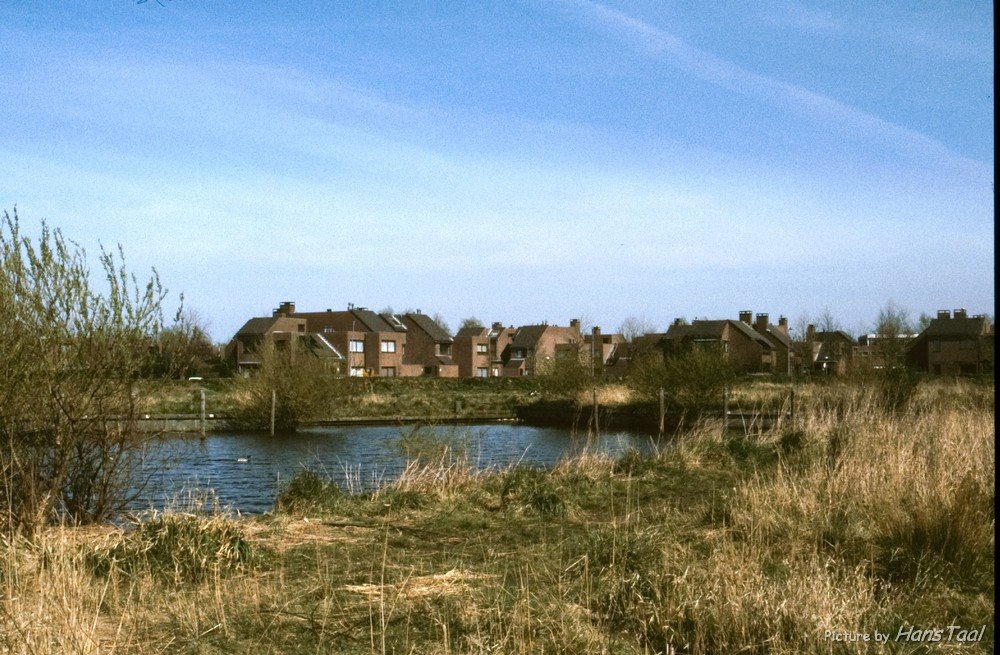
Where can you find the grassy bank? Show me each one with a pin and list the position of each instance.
(859, 521)
(349, 398)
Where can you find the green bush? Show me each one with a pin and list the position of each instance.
(308, 491)
(531, 489)
(177, 548)
(394, 499)
(692, 379)
(634, 463)
(625, 565)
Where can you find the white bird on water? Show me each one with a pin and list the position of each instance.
(243, 460)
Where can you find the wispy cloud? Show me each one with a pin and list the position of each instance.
(806, 19)
(704, 65)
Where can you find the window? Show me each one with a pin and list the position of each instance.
(357, 346)
(357, 371)
(327, 328)
(482, 372)
(444, 348)
(388, 346)
(481, 348)
(496, 371)
(388, 371)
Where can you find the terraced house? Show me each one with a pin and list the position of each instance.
(373, 344)
(747, 350)
(954, 344)
(534, 346)
(285, 335)
(429, 346)
(480, 351)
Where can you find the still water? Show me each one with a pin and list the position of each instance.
(245, 471)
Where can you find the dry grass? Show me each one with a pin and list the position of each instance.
(717, 544)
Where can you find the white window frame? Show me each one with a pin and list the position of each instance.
(388, 346)
(356, 345)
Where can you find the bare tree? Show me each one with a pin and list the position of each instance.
(924, 321)
(439, 319)
(633, 327)
(827, 322)
(71, 355)
(891, 332)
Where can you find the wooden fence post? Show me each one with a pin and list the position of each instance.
(274, 404)
(792, 394)
(202, 413)
(725, 410)
(663, 411)
(597, 424)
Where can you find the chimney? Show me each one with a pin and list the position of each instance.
(761, 324)
(943, 314)
(810, 332)
(783, 324)
(286, 308)
(497, 325)
(678, 321)
(746, 316)
(574, 323)
(596, 331)
(960, 313)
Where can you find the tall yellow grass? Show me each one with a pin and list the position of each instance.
(864, 521)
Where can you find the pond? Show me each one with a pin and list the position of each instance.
(245, 471)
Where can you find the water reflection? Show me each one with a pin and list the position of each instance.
(245, 470)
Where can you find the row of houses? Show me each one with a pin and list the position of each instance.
(360, 342)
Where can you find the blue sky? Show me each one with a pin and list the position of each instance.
(516, 161)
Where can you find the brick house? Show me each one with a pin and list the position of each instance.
(471, 352)
(783, 355)
(829, 352)
(602, 349)
(534, 346)
(875, 350)
(428, 346)
(373, 344)
(746, 350)
(481, 351)
(956, 344)
(243, 352)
